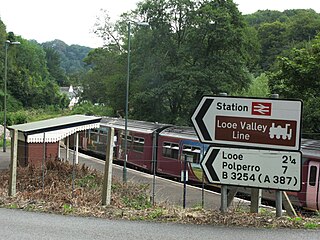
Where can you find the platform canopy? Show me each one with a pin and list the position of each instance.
(56, 129)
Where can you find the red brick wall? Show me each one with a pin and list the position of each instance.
(34, 151)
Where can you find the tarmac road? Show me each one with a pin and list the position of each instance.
(20, 225)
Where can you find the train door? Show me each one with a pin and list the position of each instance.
(313, 193)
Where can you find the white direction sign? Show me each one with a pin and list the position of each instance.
(264, 123)
(279, 170)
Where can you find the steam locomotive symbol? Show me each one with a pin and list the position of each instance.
(278, 132)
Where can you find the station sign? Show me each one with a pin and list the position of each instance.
(260, 123)
(280, 170)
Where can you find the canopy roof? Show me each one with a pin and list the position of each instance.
(56, 129)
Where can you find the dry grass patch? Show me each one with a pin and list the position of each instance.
(82, 197)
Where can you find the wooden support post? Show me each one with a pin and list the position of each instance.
(288, 206)
(107, 180)
(59, 150)
(224, 198)
(77, 148)
(67, 149)
(256, 194)
(13, 163)
(43, 164)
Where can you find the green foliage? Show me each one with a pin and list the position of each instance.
(139, 202)
(278, 32)
(67, 208)
(105, 82)
(8, 142)
(311, 225)
(24, 116)
(71, 57)
(88, 108)
(298, 77)
(200, 48)
(259, 87)
(54, 68)
(156, 213)
(88, 181)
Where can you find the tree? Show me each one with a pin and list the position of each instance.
(273, 42)
(104, 83)
(200, 48)
(259, 87)
(303, 25)
(54, 67)
(29, 80)
(298, 77)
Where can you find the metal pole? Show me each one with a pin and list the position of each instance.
(278, 203)
(5, 97)
(73, 165)
(224, 198)
(154, 157)
(202, 191)
(278, 192)
(43, 159)
(185, 182)
(6, 43)
(126, 117)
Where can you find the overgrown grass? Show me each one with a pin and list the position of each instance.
(129, 201)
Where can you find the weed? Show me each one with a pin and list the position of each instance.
(88, 181)
(295, 219)
(68, 208)
(156, 213)
(13, 206)
(311, 225)
(197, 206)
(137, 202)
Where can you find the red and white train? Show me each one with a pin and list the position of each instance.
(164, 148)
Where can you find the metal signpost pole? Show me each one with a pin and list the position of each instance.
(127, 99)
(5, 97)
(126, 118)
(7, 44)
(278, 193)
(185, 182)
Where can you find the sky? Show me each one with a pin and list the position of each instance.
(72, 21)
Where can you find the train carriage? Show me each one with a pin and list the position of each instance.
(169, 146)
(309, 196)
(177, 146)
(141, 139)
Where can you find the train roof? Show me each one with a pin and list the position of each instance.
(180, 132)
(133, 125)
(310, 147)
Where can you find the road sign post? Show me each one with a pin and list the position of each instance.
(254, 124)
(279, 170)
(260, 123)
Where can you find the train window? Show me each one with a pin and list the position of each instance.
(103, 138)
(170, 150)
(313, 176)
(193, 153)
(129, 140)
(138, 144)
(93, 135)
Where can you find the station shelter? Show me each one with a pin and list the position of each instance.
(38, 140)
(33, 143)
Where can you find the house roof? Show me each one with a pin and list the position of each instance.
(56, 129)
